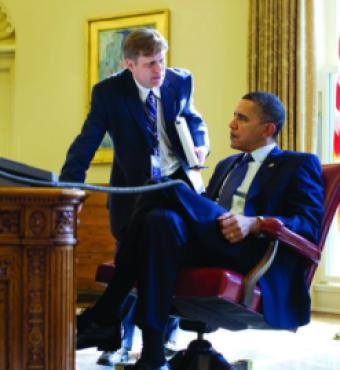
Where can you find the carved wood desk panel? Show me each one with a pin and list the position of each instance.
(37, 278)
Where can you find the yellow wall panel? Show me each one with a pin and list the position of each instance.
(207, 37)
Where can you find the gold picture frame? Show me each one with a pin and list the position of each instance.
(104, 39)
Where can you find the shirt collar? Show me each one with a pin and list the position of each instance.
(261, 154)
(144, 91)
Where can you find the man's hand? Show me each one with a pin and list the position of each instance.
(236, 227)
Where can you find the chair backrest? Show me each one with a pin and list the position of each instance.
(331, 177)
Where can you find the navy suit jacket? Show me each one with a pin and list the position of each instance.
(116, 108)
(287, 186)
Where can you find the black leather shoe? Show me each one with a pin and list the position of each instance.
(141, 365)
(97, 336)
(91, 334)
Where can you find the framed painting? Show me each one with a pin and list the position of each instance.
(104, 38)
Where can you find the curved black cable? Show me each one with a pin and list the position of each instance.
(104, 189)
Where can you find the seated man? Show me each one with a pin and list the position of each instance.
(176, 227)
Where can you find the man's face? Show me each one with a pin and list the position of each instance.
(148, 71)
(247, 131)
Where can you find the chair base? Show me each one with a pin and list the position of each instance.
(201, 356)
(217, 312)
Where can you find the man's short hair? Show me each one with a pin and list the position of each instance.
(272, 109)
(143, 41)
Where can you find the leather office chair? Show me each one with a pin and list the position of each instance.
(210, 298)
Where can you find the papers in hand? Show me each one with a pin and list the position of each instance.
(187, 143)
(189, 151)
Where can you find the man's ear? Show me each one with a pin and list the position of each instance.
(129, 63)
(270, 129)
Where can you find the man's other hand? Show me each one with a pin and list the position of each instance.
(236, 227)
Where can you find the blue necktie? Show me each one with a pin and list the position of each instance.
(233, 181)
(151, 113)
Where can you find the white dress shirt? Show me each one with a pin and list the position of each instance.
(169, 161)
(239, 198)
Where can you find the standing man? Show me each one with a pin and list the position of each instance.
(144, 137)
(183, 227)
(138, 108)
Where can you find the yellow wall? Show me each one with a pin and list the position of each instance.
(207, 37)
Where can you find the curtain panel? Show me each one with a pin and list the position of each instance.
(281, 60)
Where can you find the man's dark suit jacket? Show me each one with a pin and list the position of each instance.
(116, 108)
(287, 186)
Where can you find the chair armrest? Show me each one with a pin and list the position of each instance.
(277, 232)
(275, 228)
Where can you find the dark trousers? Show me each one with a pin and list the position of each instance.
(171, 228)
(129, 325)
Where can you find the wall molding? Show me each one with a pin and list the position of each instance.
(326, 297)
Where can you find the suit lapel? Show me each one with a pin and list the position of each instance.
(265, 172)
(168, 103)
(136, 107)
(217, 180)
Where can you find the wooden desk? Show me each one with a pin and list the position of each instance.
(37, 278)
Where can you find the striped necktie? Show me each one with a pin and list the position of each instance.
(151, 113)
(233, 181)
